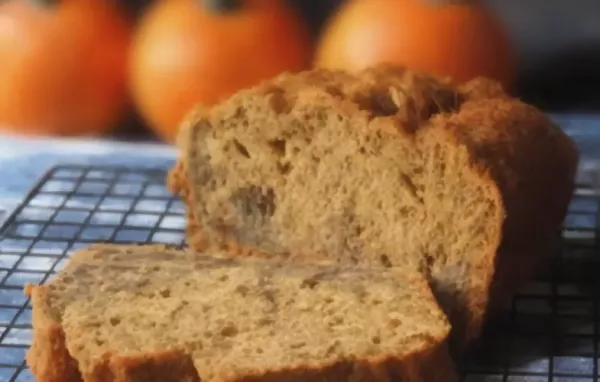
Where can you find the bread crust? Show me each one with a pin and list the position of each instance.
(533, 165)
(48, 357)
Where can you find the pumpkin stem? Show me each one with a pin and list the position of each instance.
(450, 2)
(44, 3)
(221, 6)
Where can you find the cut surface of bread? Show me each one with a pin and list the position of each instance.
(386, 167)
(152, 313)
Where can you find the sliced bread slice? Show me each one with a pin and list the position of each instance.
(386, 167)
(155, 314)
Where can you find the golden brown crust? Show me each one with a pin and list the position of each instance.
(533, 164)
(48, 357)
(176, 181)
(165, 366)
(430, 366)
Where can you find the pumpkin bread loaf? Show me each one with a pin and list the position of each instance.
(386, 167)
(157, 314)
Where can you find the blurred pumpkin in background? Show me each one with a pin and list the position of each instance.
(63, 66)
(456, 38)
(189, 52)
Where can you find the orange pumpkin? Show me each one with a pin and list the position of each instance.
(189, 52)
(461, 39)
(63, 68)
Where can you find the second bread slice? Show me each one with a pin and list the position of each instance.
(133, 314)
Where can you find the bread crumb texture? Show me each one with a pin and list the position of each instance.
(152, 313)
(386, 168)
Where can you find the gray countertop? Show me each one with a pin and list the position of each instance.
(24, 161)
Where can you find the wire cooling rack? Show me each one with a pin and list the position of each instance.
(549, 333)
(70, 208)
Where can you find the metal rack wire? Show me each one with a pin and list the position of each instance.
(549, 333)
(72, 207)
